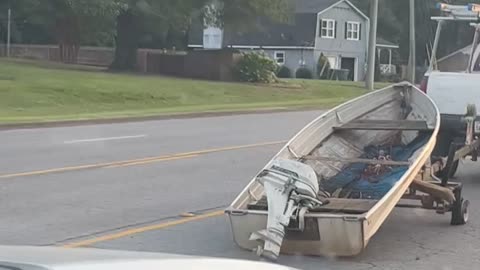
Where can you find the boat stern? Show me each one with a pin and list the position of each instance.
(323, 235)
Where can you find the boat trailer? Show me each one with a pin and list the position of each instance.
(433, 186)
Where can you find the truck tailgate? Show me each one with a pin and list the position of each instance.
(452, 92)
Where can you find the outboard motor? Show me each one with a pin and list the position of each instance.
(291, 188)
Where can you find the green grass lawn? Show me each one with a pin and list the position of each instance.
(37, 92)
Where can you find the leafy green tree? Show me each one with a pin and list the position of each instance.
(393, 25)
(139, 16)
(70, 22)
(173, 18)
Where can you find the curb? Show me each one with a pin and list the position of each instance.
(70, 123)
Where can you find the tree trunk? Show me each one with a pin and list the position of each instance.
(126, 42)
(68, 39)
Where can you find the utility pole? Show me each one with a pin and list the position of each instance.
(412, 60)
(372, 44)
(9, 26)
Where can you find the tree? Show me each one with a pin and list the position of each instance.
(24, 29)
(81, 21)
(138, 16)
(173, 18)
(70, 22)
(393, 25)
(241, 15)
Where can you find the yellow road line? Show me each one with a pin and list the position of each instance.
(129, 232)
(139, 161)
(150, 161)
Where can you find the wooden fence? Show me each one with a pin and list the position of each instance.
(200, 64)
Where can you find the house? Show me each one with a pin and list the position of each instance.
(335, 28)
(385, 51)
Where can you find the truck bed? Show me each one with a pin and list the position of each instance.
(453, 91)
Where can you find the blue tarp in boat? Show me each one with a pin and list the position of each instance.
(355, 183)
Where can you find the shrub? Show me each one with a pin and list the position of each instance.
(304, 73)
(284, 72)
(256, 67)
(323, 67)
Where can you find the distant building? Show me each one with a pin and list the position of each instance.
(335, 28)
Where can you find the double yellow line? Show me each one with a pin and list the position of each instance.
(136, 162)
(129, 232)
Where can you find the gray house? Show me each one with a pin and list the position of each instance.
(335, 28)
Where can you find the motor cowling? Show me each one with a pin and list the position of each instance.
(291, 187)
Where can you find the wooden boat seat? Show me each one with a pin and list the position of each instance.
(349, 206)
(371, 124)
(358, 160)
(334, 205)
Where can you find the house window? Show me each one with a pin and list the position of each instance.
(328, 28)
(279, 57)
(352, 31)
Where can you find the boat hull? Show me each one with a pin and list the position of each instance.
(337, 234)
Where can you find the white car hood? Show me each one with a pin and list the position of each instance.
(37, 258)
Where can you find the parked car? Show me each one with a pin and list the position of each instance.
(55, 258)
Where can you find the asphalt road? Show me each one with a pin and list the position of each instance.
(125, 186)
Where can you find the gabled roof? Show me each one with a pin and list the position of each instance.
(312, 6)
(348, 3)
(381, 42)
(320, 6)
(298, 33)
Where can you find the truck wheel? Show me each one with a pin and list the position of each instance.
(460, 212)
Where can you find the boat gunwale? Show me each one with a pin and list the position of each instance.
(415, 165)
(379, 203)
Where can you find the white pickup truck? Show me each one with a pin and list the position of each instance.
(453, 92)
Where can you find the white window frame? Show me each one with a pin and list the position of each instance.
(352, 31)
(279, 58)
(327, 28)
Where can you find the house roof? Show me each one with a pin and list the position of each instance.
(299, 33)
(312, 6)
(385, 43)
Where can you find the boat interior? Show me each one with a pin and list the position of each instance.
(359, 160)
